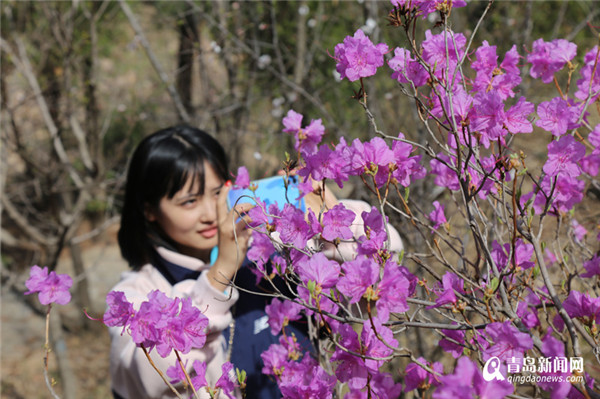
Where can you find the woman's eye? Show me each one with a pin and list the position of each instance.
(189, 202)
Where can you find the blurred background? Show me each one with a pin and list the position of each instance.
(82, 82)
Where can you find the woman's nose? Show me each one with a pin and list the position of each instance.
(209, 210)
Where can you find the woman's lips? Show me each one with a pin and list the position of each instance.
(209, 233)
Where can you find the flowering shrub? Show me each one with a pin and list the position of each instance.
(491, 286)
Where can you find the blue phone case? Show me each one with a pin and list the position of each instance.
(269, 190)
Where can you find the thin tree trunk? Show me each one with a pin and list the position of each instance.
(68, 381)
(188, 37)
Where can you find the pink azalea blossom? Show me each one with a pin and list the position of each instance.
(437, 215)
(435, 48)
(407, 69)
(517, 117)
(556, 116)
(582, 306)
(507, 340)
(357, 57)
(592, 267)
(281, 313)
(563, 156)
(242, 178)
(119, 311)
(547, 58)
(337, 222)
(446, 289)
(324, 272)
(452, 341)
(589, 84)
(51, 287)
(467, 382)
(417, 377)
(359, 274)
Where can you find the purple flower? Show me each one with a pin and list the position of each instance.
(336, 223)
(590, 78)
(307, 138)
(592, 267)
(327, 164)
(275, 359)
(517, 117)
(553, 380)
(351, 369)
(357, 57)
(556, 116)
(445, 177)
(528, 315)
(487, 117)
(171, 337)
(417, 377)
(324, 272)
(281, 313)
(563, 156)
(522, 255)
(449, 284)
(377, 342)
(435, 48)
(119, 311)
(547, 58)
(194, 326)
(292, 122)
(437, 215)
(369, 156)
(501, 79)
(507, 341)
(594, 136)
(227, 381)
(407, 69)
(51, 288)
(375, 235)
(199, 380)
(453, 342)
(582, 306)
(242, 179)
(566, 191)
(261, 249)
(292, 227)
(467, 382)
(407, 168)
(175, 373)
(37, 278)
(143, 326)
(306, 379)
(591, 163)
(578, 230)
(382, 387)
(393, 290)
(359, 274)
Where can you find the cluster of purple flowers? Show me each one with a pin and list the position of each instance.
(160, 322)
(51, 287)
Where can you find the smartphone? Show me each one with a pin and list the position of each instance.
(269, 190)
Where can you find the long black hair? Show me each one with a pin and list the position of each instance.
(160, 167)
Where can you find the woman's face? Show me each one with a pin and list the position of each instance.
(189, 218)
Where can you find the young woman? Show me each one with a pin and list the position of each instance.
(174, 216)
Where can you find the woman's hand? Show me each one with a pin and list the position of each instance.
(320, 196)
(233, 239)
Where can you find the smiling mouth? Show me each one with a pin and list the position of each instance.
(209, 233)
